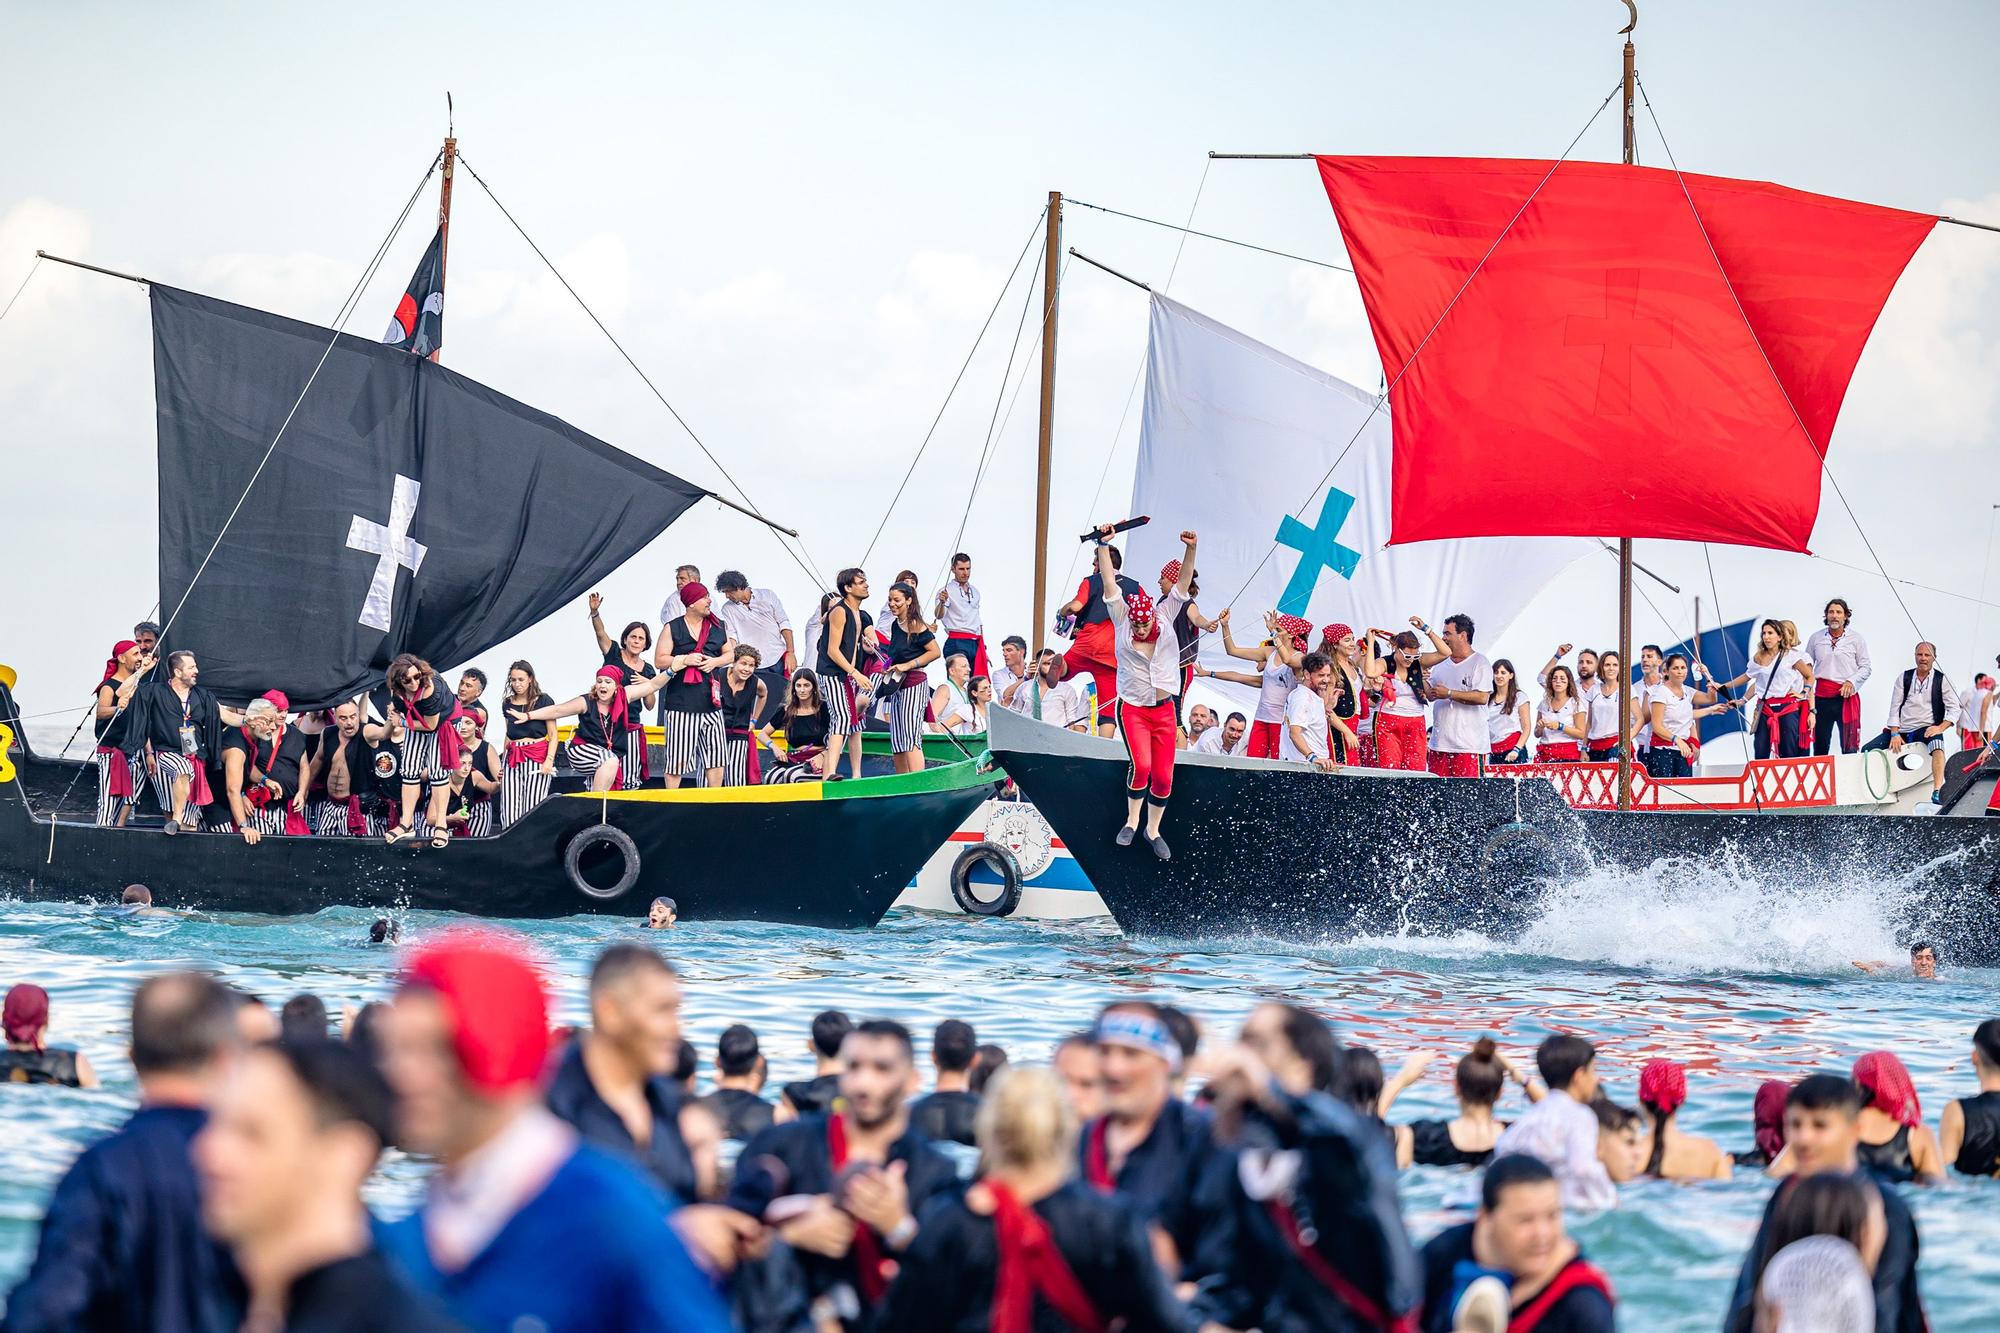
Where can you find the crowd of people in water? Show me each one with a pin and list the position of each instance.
(740, 698)
(1146, 1175)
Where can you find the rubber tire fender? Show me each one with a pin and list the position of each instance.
(1004, 864)
(1515, 847)
(615, 838)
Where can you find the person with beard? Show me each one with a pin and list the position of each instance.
(1515, 1260)
(1156, 1151)
(1823, 1137)
(1320, 1237)
(362, 779)
(842, 1188)
(1029, 1247)
(829, 1030)
(178, 725)
(1046, 698)
(296, 1131)
(1840, 667)
(119, 782)
(948, 1112)
(326, 816)
(1011, 676)
(1149, 684)
(523, 1224)
(738, 1100)
(604, 718)
(122, 1248)
(260, 772)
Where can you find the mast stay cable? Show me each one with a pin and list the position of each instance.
(1209, 235)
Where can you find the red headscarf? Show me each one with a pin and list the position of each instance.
(1663, 1086)
(1170, 573)
(1139, 607)
(498, 1006)
(616, 675)
(1330, 637)
(278, 700)
(693, 591)
(1298, 627)
(1767, 1115)
(118, 650)
(1887, 1084)
(27, 1013)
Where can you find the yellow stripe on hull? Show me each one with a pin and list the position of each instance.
(777, 793)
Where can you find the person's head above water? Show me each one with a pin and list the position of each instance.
(1568, 1064)
(1986, 1049)
(1924, 960)
(384, 930)
(662, 914)
(1822, 1112)
(136, 895)
(1520, 1218)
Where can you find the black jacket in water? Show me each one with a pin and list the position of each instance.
(1898, 1306)
(122, 1248)
(1581, 1309)
(947, 1278)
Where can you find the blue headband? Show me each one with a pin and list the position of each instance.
(1139, 1032)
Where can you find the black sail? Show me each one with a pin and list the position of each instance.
(406, 508)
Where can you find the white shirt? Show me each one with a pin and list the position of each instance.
(1972, 709)
(672, 607)
(1305, 710)
(1678, 713)
(1502, 721)
(1001, 678)
(1275, 689)
(1846, 661)
(961, 609)
(1911, 710)
(1604, 714)
(957, 717)
(1550, 719)
(1562, 1132)
(758, 623)
(1780, 678)
(1210, 742)
(1148, 672)
(1407, 703)
(1061, 705)
(1460, 728)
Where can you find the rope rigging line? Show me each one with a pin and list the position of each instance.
(957, 379)
(801, 556)
(1443, 315)
(1211, 236)
(26, 278)
(1133, 390)
(1727, 282)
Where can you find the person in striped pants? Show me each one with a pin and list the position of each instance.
(531, 747)
(602, 718)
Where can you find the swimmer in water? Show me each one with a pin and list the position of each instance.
(137, 900)
(1923, 962)
(662, 914)
(385, 930)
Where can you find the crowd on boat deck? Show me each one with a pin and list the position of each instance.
(1148, 1176)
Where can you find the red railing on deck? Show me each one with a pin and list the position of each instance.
(1764, 784)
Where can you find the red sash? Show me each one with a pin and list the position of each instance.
(1030, 1266)
(1579, 1273)
(357, 822)
(752, 775)
(1558, 752)
(1785, 707)
(119, 773)
(1850, 707)
(1505, 745)
(1097, 1158)
(527, 752)
(198, 789)
(1663, 741)
(868, 1258)
(1332, 1279)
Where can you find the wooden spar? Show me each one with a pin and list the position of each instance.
(1052, 268)
(1625, 543)
(444, 213)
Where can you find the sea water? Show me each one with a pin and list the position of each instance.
(1743, 973)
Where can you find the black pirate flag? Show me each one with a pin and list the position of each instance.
(418, 324)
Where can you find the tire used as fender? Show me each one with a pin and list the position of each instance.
(1002, 862)
(605, 835)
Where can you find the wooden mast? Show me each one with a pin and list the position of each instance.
(444, 201)
(1051, 260)
(1625, 745)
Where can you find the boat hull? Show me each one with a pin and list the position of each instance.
(1053, 885)
(1271, 850)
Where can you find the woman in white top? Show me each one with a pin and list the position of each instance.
(1676, 707)
(1586, 671)
(1600, 735)
(1507, 718)
(951, 702)
(1561, 720)
(1781, 682)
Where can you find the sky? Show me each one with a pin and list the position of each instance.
(796, 218)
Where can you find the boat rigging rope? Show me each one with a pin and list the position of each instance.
(341, 316)
(801, 556)
(1211, 236)
(957, 379)
(1443, 315)
(29, 276)
(1727, 282)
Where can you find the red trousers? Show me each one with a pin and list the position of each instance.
(1454, 765)
(1264, 739)
(1149, 733)
(1399, 742)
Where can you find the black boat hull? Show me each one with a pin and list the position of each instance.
(1271, 850)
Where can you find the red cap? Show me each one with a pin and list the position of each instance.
(1882, 1076)
(277, 700)
(499, 1007)
(1663, 1085)
(27, 1013)
(693, 591)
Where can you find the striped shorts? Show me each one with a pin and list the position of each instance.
(586, 759)
(268, 818)
(169, 767)
(839, 712)
(478, 820)
(906, 714)
(421, 761)
(634, 761)
(327, 818)
(694, 743)
(522, 788)
(109, 807)
(736, 761)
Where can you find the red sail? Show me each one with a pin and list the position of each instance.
(1620, 367)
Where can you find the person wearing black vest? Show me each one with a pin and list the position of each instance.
(260, 773)
(178, 726)
(1923, 709)
(119, 781)
(742, 688)
(1534, 1275)
(740, 1071)
(947, 1113)
(691, 645)
(846, 650)
(531, 746)
(865, 1171)
(27, 1056)
(1969, 1129)
(603, 716)
(631, 650)
(475, 784)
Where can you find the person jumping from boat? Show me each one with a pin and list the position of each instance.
(1093, 648)
(1461, 685)
(1781, 682)
(1277, 659)
(1149, 679)
(1923, 709)
(120, 783)
(178, 724)
(1674, 716)
(531, 746)
(691, 645)
(846, 648)
(911, 646)
(603, 717)
(260, 772)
